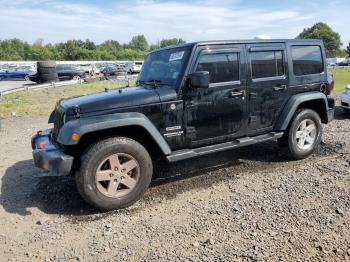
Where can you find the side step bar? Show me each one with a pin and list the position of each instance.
(245, 141)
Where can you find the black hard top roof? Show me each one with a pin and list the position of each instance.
(251, 41)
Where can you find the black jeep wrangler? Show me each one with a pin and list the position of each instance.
(190, 100)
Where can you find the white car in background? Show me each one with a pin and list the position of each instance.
(133, 67)
(345, 98)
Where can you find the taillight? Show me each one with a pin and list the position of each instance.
(329, 87)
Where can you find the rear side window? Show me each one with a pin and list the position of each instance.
(221, 67)
(307, 60)
(267, 64)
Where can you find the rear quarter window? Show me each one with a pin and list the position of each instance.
(307, 60)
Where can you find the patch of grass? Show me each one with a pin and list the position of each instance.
(43, 101)
(341, 79)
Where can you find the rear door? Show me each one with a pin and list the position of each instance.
(218, 113)
(268, 85)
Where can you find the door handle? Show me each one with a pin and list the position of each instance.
(236, 93)
(280, 87)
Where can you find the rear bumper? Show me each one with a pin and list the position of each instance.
(331, 109)
(52, 158)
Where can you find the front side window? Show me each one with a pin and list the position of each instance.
(307, 60)
(267, 64)
(221, 67)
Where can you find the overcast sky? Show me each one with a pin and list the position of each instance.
(57, 21)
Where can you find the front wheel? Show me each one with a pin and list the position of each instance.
(114, 173)
(304, 134)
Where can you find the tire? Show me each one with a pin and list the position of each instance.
(48, 77)
(304, 134)
(76, 77)
(46, 70)
(46, 64)
(98, 193)
(26, 78)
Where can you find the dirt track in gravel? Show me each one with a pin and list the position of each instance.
(249, 204)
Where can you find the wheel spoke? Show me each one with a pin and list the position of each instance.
(128, 181)
(301, 142)
(311, 128)
(128, 166)
(303, 125)
(309, 140)
(112, 187)
(114, 161)
(299, 134)
(103, 175)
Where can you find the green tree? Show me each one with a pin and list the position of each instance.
(322, 31)
(172, 41)
(153, 47)
(347, 49)
(139, 42)
(111, 45)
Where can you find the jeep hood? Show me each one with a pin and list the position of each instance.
(115, 99)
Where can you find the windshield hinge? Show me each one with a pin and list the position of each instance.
(77, 112)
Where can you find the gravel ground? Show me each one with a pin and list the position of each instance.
(248, 204)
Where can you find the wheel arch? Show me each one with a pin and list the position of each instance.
(132, 125)
(316, 101)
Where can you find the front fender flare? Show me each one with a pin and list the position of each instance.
(293, 103)
(83, 126)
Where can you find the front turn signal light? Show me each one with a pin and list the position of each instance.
(42, 144)
(75, 136)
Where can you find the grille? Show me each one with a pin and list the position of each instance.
(59, 113)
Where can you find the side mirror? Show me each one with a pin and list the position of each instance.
(199, 79)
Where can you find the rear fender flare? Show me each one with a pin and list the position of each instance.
(292, 105)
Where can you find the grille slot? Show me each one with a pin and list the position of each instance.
(59, 114)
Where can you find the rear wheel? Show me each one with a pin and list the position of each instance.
(304, 134)
(114, 173)
(76, 77)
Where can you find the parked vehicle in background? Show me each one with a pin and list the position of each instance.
(133, 67)
(64, 72)
(16, 74)
(114, 71)
(69, 72)
(345, 98)
(346, 62)
(190, 100)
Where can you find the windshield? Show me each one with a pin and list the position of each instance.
(165, 67)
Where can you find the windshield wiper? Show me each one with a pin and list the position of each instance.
(153, 82)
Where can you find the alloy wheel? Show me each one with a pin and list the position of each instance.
(117, 175)
(306, 134)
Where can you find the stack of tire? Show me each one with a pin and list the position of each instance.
(47, 71)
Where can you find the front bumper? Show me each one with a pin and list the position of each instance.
(49, 156)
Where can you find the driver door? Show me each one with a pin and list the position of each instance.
(218, 113)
